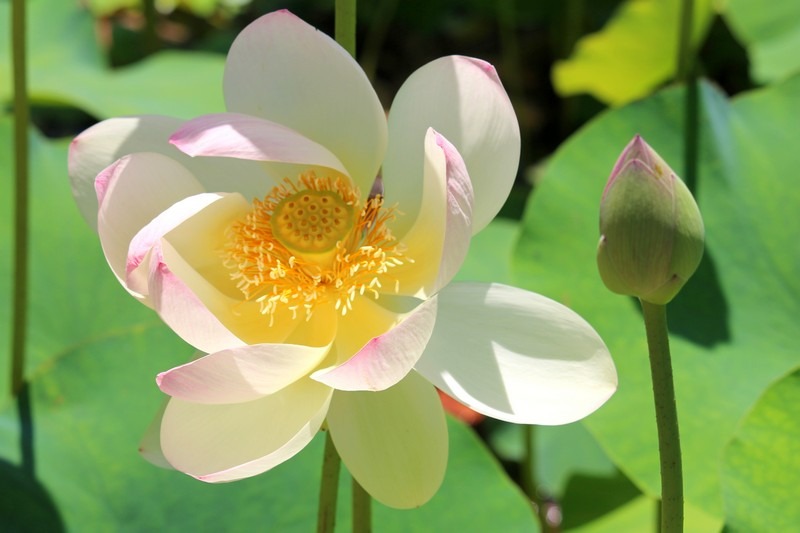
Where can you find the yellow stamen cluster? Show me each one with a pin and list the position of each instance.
(311, 242)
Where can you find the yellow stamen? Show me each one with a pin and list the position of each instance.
(312, 242)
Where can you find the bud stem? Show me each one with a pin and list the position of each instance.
(669, 442)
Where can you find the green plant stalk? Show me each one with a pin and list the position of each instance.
(345, 25)
(362, 509)
(529, 476)
(21, 120)
(669, 442)
(329, 487)
(151, 43)
(687, 74)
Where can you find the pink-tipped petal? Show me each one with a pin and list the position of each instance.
(438, 240)
(105, 142)
(138, 252)
(385, 359)
(187, 281)
(461, 98)
(241, 374)
(225, 442)
(516, 356)
(246, 137)
(131, 193)
(393, 442)
(458, 230)
(278, 61)
(183, 311)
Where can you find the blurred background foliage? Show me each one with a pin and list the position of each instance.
(584, 77)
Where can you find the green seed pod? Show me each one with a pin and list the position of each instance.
(651, 231)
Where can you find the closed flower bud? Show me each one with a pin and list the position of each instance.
(651, 231)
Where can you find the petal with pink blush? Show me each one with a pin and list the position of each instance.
(131, 193)
(105, 142)
(225, 442)
(241, 374)
(99, 146)
(186, 285)
(183, 311)
(394, 442)
(439, 239)
(516, 356)
(461, 98)
(246, 137)
(148, 236)
(458, 230)
(385, 359)
(281, 69)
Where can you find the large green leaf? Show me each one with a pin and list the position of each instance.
(635, 52)
(733, 328)
(93, 356)
(771, 35)
(67, 67)
(761, 467)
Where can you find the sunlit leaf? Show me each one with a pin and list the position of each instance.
(761, 466)
(771, 35)
(633, 54)
(734, 325)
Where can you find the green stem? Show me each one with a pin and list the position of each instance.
(21, 120)
(669, 442)
(329, 487)
(685, 52)
(151, 43)
(362, 509)
(346, 25)
(529, 475)
(687, 74)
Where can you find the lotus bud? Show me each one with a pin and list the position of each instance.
(651, 231)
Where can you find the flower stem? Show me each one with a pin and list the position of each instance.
(329, 487)
(345, 25)
(669, 443)
(362, 509)
(529, 477)
(21, 120)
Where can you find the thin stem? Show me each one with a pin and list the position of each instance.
(151, 43)
(329, 487)
(669, 442)
(362, 509)
(529, 476)
(376, 36)
(346, 25)
(21, 120)
(685, 52)
(687, 74)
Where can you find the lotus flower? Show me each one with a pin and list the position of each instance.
(319, 287)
